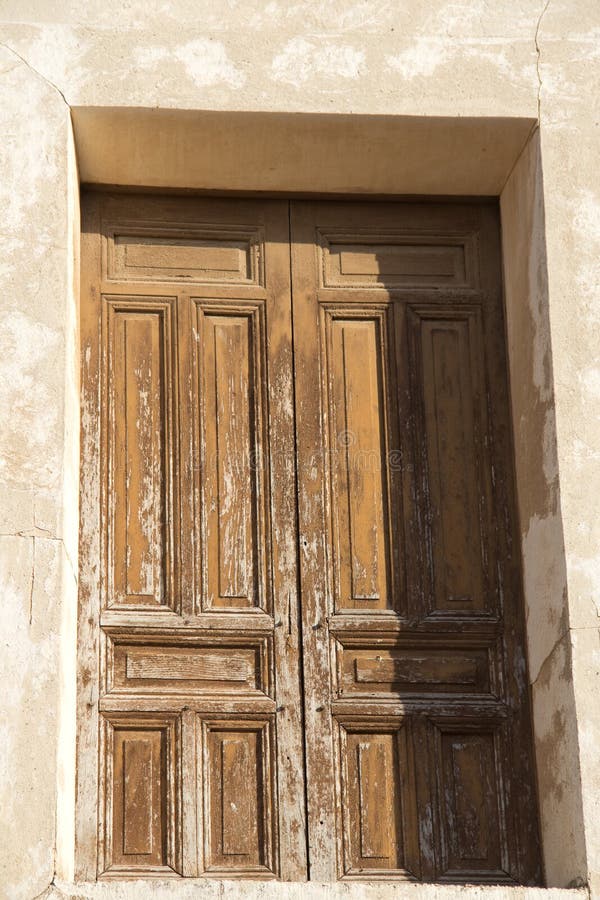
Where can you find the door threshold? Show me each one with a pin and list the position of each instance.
(200, 888)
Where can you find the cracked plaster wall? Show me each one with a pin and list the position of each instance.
(461, 58)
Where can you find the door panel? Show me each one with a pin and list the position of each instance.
(238, 807)
(378, 808)
(141, 814)
(451, 429)
(234, 497)
(406, 537)
(359, 491)
(474, 836)
(141, 457)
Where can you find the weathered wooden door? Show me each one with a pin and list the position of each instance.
(188, 536)
(417, 720)
(374, 723)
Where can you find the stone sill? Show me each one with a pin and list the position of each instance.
(199, 889)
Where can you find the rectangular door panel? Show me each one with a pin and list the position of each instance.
(195, 668)
(238, 798)
(447, 373)
(378, 801)
(359, 457)
(392, 671)
(185, 253)
(469, 765)
(356, 258)
(141, 807)
(231, 538)
(140, 489)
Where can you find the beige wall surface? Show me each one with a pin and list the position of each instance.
(460, 59)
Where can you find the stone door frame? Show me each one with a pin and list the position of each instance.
(375, 156)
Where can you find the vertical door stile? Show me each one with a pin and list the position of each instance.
(188, 799)
(185, 432)
(92, 564)
(323, 827)
(502, 442)
(191, 856)
(286, 641)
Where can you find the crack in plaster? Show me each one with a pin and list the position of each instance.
(559, 640)
(538, 54)
(532, 131)
(8, 69)
(35, 71)
(50, 891)
(32, 583)
(46, 535)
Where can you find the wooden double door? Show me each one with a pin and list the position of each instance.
(301, 621)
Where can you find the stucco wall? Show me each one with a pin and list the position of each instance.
(466, 58)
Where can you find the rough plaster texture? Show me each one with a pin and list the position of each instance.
(37, 554)
(538, 493)
(465, 58)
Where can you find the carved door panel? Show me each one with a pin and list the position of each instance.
(188, 535)
(416, 706)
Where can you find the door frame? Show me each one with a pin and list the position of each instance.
(521, 203)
